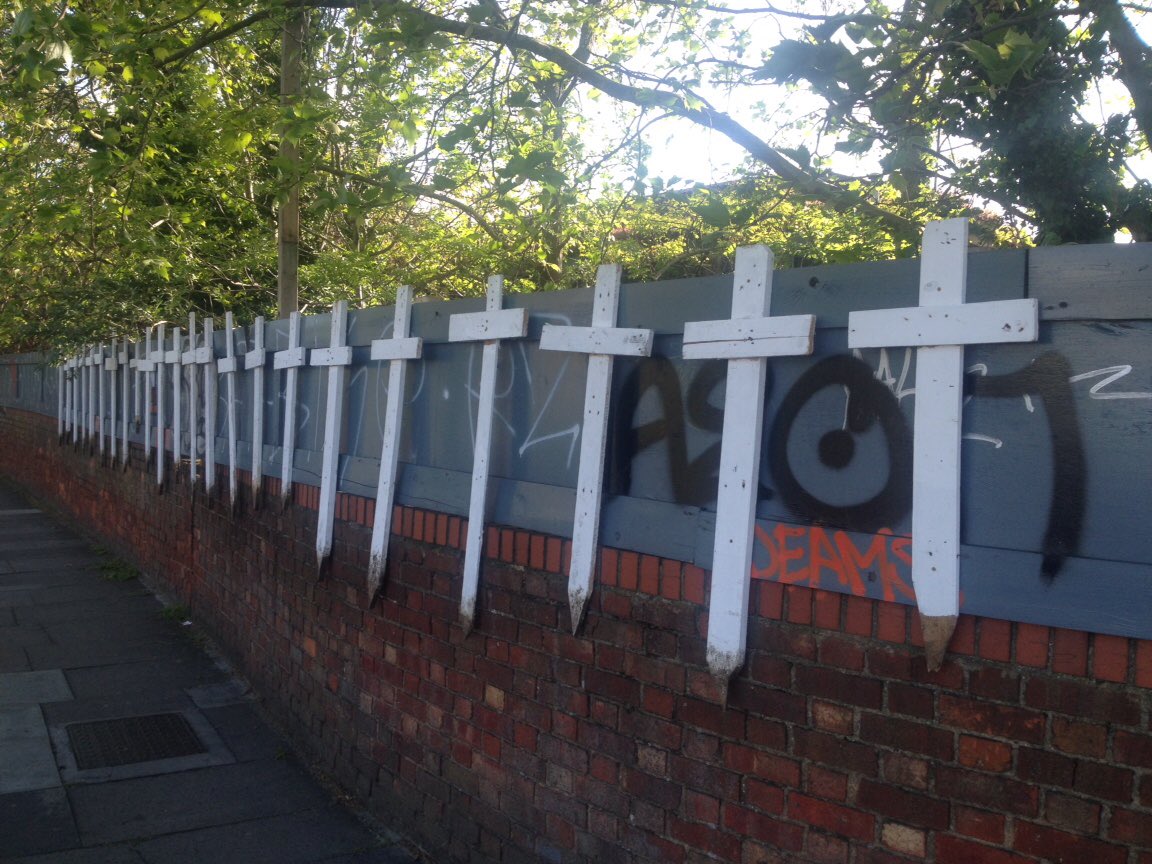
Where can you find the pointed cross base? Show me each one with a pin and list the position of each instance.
(938, 630)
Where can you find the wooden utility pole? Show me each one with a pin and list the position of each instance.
(291, 66)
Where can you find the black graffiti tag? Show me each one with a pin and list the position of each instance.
(868, 402)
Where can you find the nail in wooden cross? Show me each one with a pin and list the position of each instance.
(745, 340)
(337, 357)
(489, 326)
(254, 362)
(398, 350)
(228, 365)
(174, 358)
(159, 358)
(191, 359)
(290, 359)
(939, 328)
(602, 342)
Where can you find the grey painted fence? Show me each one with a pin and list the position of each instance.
(1057, 483)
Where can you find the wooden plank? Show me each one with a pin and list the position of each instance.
(125, 390)
(158, 358)
(206, 357)
(227, 365)
(488, 326)
(333, 416)
(398, 350)
(254, 362)
(175, 359)
(1106, 281)
(750, 330)
(190, 361)
(602, 340)
(977, 323)
(112, 365)
(750, 348)
(290, 360)
(98, 370)
(490, 355)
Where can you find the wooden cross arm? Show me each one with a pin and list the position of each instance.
(487, 326)
(340, 355)
(967, 324)
(255, 359)
(617, 341)
(290, 358)
(408, 348)
(227, 365)
(737, 338)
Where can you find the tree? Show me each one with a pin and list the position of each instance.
(147, 150)
(1007, 78)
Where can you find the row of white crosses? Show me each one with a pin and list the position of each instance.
(939, 328)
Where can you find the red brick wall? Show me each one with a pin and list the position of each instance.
(521, 742)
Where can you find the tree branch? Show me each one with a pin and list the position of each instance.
(687, 107)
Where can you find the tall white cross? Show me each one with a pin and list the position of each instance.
(99, 371)
(90, 397)
(398, 350)
(208, 358)
(125, 408)
(145, 366)
(228, 366)
(254, 362)
(337, 357)
(191, 360)
(939, 328)
(602, 342)
(489, 326)
(158, 358)
(69, 428)
(290, 359)
(745, 340)
(174, 358)
(112, 366)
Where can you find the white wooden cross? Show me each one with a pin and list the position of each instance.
(401, 348)
(174, 358)
(69, 429)
(489, 326)
(745, 340)
(125, 409)
(158, 357)
(61, 377)
(290, 359)
(228, 365)
(98, 370)
(145, 366)
(254, 362)
(208, 358)
(939, 328)
(90, 396)
(602, 342)
(337, 357)
(112, 366)
(190, 360)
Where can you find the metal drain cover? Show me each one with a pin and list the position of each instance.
(130, 740)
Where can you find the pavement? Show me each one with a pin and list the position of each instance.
(122, 741)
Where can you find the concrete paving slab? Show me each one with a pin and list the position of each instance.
(218, 694)
(28, 761)
(171, 803)
(13, 659)
(245, 734)
(121, 854)
(299, 838)
(33, 636)
(139, 602)
(32, 688)
(37, 822)
(174, 672)
(7, 617)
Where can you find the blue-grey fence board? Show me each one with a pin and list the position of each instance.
(1057, 483)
